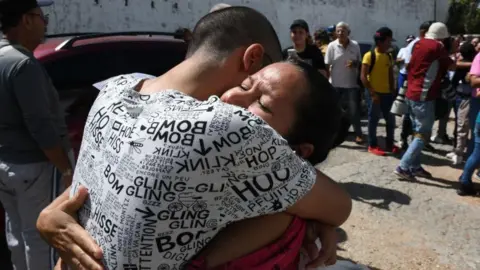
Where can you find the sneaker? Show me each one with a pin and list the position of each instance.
(394, 150)
(457, 160)
(404, 174)
(359, 140)
(421, 172)
(466, 190)
(436, 139)
(376, 151)
(450, 155)
(429, 147)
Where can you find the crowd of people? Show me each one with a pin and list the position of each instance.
(435, 71)
(223, 146)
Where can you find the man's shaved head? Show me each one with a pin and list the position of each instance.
(223, 31)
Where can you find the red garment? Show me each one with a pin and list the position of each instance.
(283, 254)
(428, 65)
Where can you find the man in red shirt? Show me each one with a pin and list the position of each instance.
(429, 64)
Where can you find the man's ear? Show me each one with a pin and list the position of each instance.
(253, 58)
(304, 150)
(27, 21)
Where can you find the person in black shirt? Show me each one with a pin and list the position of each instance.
(303, 45)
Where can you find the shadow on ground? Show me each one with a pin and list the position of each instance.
(366, 193)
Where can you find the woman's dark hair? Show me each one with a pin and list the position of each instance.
(468, 52)
(309, 39)
(322, 36)
(320, 120)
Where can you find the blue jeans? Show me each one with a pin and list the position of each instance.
(401, 79)
(368, 99)
(374, 110)
(473, 162)
(350, 101)
(422, 114)
(472, 117)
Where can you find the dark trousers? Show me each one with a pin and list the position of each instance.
(384, 106)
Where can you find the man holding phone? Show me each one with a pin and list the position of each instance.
(342, 59)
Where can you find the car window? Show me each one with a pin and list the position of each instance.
(93, 63)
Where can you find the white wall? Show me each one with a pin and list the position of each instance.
(364, 16)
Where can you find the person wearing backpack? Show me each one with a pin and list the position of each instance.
(377, 77)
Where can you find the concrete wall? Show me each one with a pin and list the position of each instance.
(364, 16)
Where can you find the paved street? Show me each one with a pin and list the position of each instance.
(405, 225)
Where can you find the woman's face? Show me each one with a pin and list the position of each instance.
(298, 35)
(273, 94)
(475, 42)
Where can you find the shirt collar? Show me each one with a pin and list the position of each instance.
(340, 45)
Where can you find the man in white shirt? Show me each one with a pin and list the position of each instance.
(402, 77)
(343, 59)
(401, 61)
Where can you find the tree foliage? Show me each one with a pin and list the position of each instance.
(463, 17)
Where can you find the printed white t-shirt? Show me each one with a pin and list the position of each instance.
(165, 172)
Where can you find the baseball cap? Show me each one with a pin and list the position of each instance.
(437, 30)
(410, 38)
(331, 28)
(44, 3)
(300, 23)
(21, 6)
(382, 33)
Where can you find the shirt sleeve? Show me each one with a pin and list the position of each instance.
(367, 59)
(401, 54)
(104, 84)
(31, 88)
(318, 61)
(475, 69)
(329, 55)
(359, 53)
(268, 176)
(408, 52)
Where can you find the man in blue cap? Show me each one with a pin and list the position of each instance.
(32, 132)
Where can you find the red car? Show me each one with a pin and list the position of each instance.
(76, 61)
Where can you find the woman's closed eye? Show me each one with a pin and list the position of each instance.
(263, 107)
